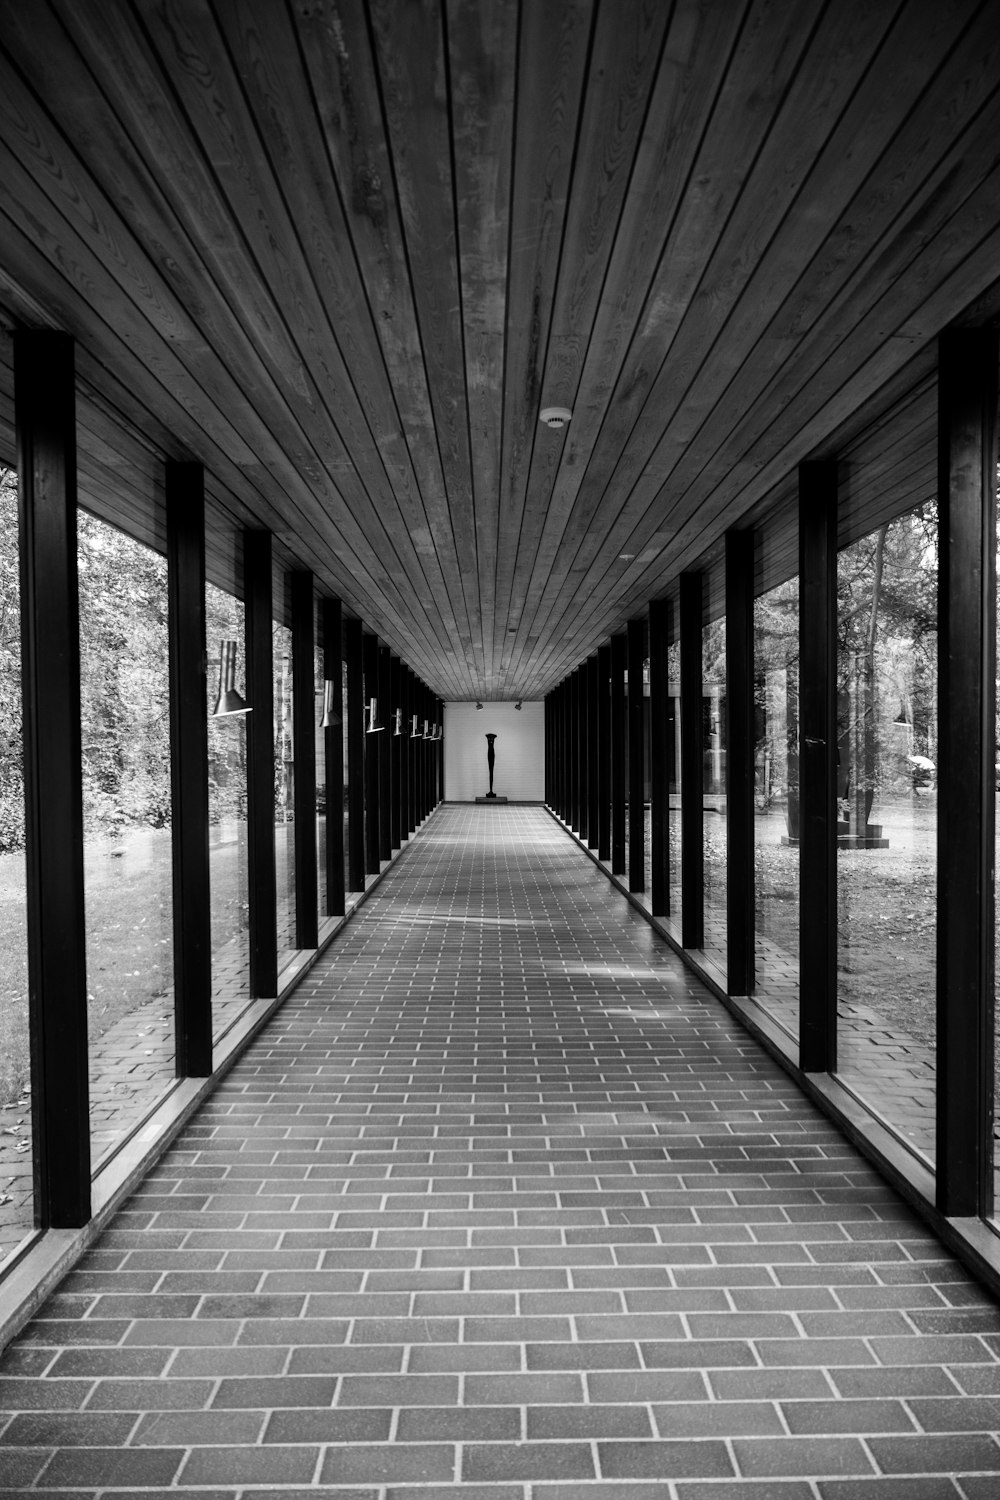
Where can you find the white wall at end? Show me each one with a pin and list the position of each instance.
(519, 773)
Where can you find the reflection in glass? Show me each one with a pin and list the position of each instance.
(776, 805)
(347, 750)
(16, 1155)
(284, 791)
(887, 830)
(674, 734)
(227, 820)
(319, 691)
(713, 714)
(125, 719)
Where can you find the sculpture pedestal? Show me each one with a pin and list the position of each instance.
(491, 797)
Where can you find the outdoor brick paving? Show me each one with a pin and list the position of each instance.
(502, 1205)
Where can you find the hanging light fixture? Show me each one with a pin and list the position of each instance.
(229, 703)
(372, 727)
(479, 705)
(517, 705)
(331, 718)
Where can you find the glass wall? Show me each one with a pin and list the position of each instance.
(319, 689)
(713, 715)
(227, 817)
(16, 1155)
(125, 731)
(674, 778)
(347, 758)
(887, 829)
(776, 804)
(284, 783)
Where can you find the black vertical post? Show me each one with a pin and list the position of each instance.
(395, 723)
(385, 754)
(331, 618)
(373, 836)
(636, 756)
(691, 605)
(404, 755)
(739, 763)
(440, 750)
(604, 752)
(355, 730)
(967, 466)
(185, 502)
(619, 663)
(573, 748)
(262, 893)
(593, 753)
(659, 795)
(818, 766)
(45, 396)
(304, 751)
(585, 753)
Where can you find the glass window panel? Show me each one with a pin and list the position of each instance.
(347, 755)
(887, 830)
(674, 733)
(713, 713)
(125, 727)
(776, 808)
(227, 819)
(284, 790)
(319, 688)
(16, 1155)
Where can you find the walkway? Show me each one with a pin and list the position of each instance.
(501, 1206)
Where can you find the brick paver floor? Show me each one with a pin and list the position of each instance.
(503, 1206)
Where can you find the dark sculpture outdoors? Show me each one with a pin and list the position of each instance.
(490, 761)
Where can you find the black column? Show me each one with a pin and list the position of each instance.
(636, 757)
(619, 663)
(373, 836)
(967, 466)
(385, 755)
(659, 797)
(185, 499)
(604, 753)
(355, 730)
(394, 722)
(593, 753)
(739, 763)
(585, 752)
(331, 626)
(440, 749)
(262, 893)
(45, 395)
(692, 762)
(304, 751)
(818, 766)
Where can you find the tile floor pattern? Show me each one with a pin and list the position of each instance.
(502, 1206)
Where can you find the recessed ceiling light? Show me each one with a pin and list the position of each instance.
(626, 556)
(555, 416)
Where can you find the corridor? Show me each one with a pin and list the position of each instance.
(503, 1205)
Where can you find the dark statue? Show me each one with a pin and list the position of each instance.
(491, 761)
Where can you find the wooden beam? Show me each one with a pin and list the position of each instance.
(331, 629)
(355, 730)
(818, 766)
(967, 468)
(739, 763)
(45, 396)
(659, 797)
(636, 631)
(304, 751)
(692, 609)
(262, 883)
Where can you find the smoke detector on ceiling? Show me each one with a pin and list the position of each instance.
(555, 416)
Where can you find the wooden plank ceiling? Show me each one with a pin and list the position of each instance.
(343, 251)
